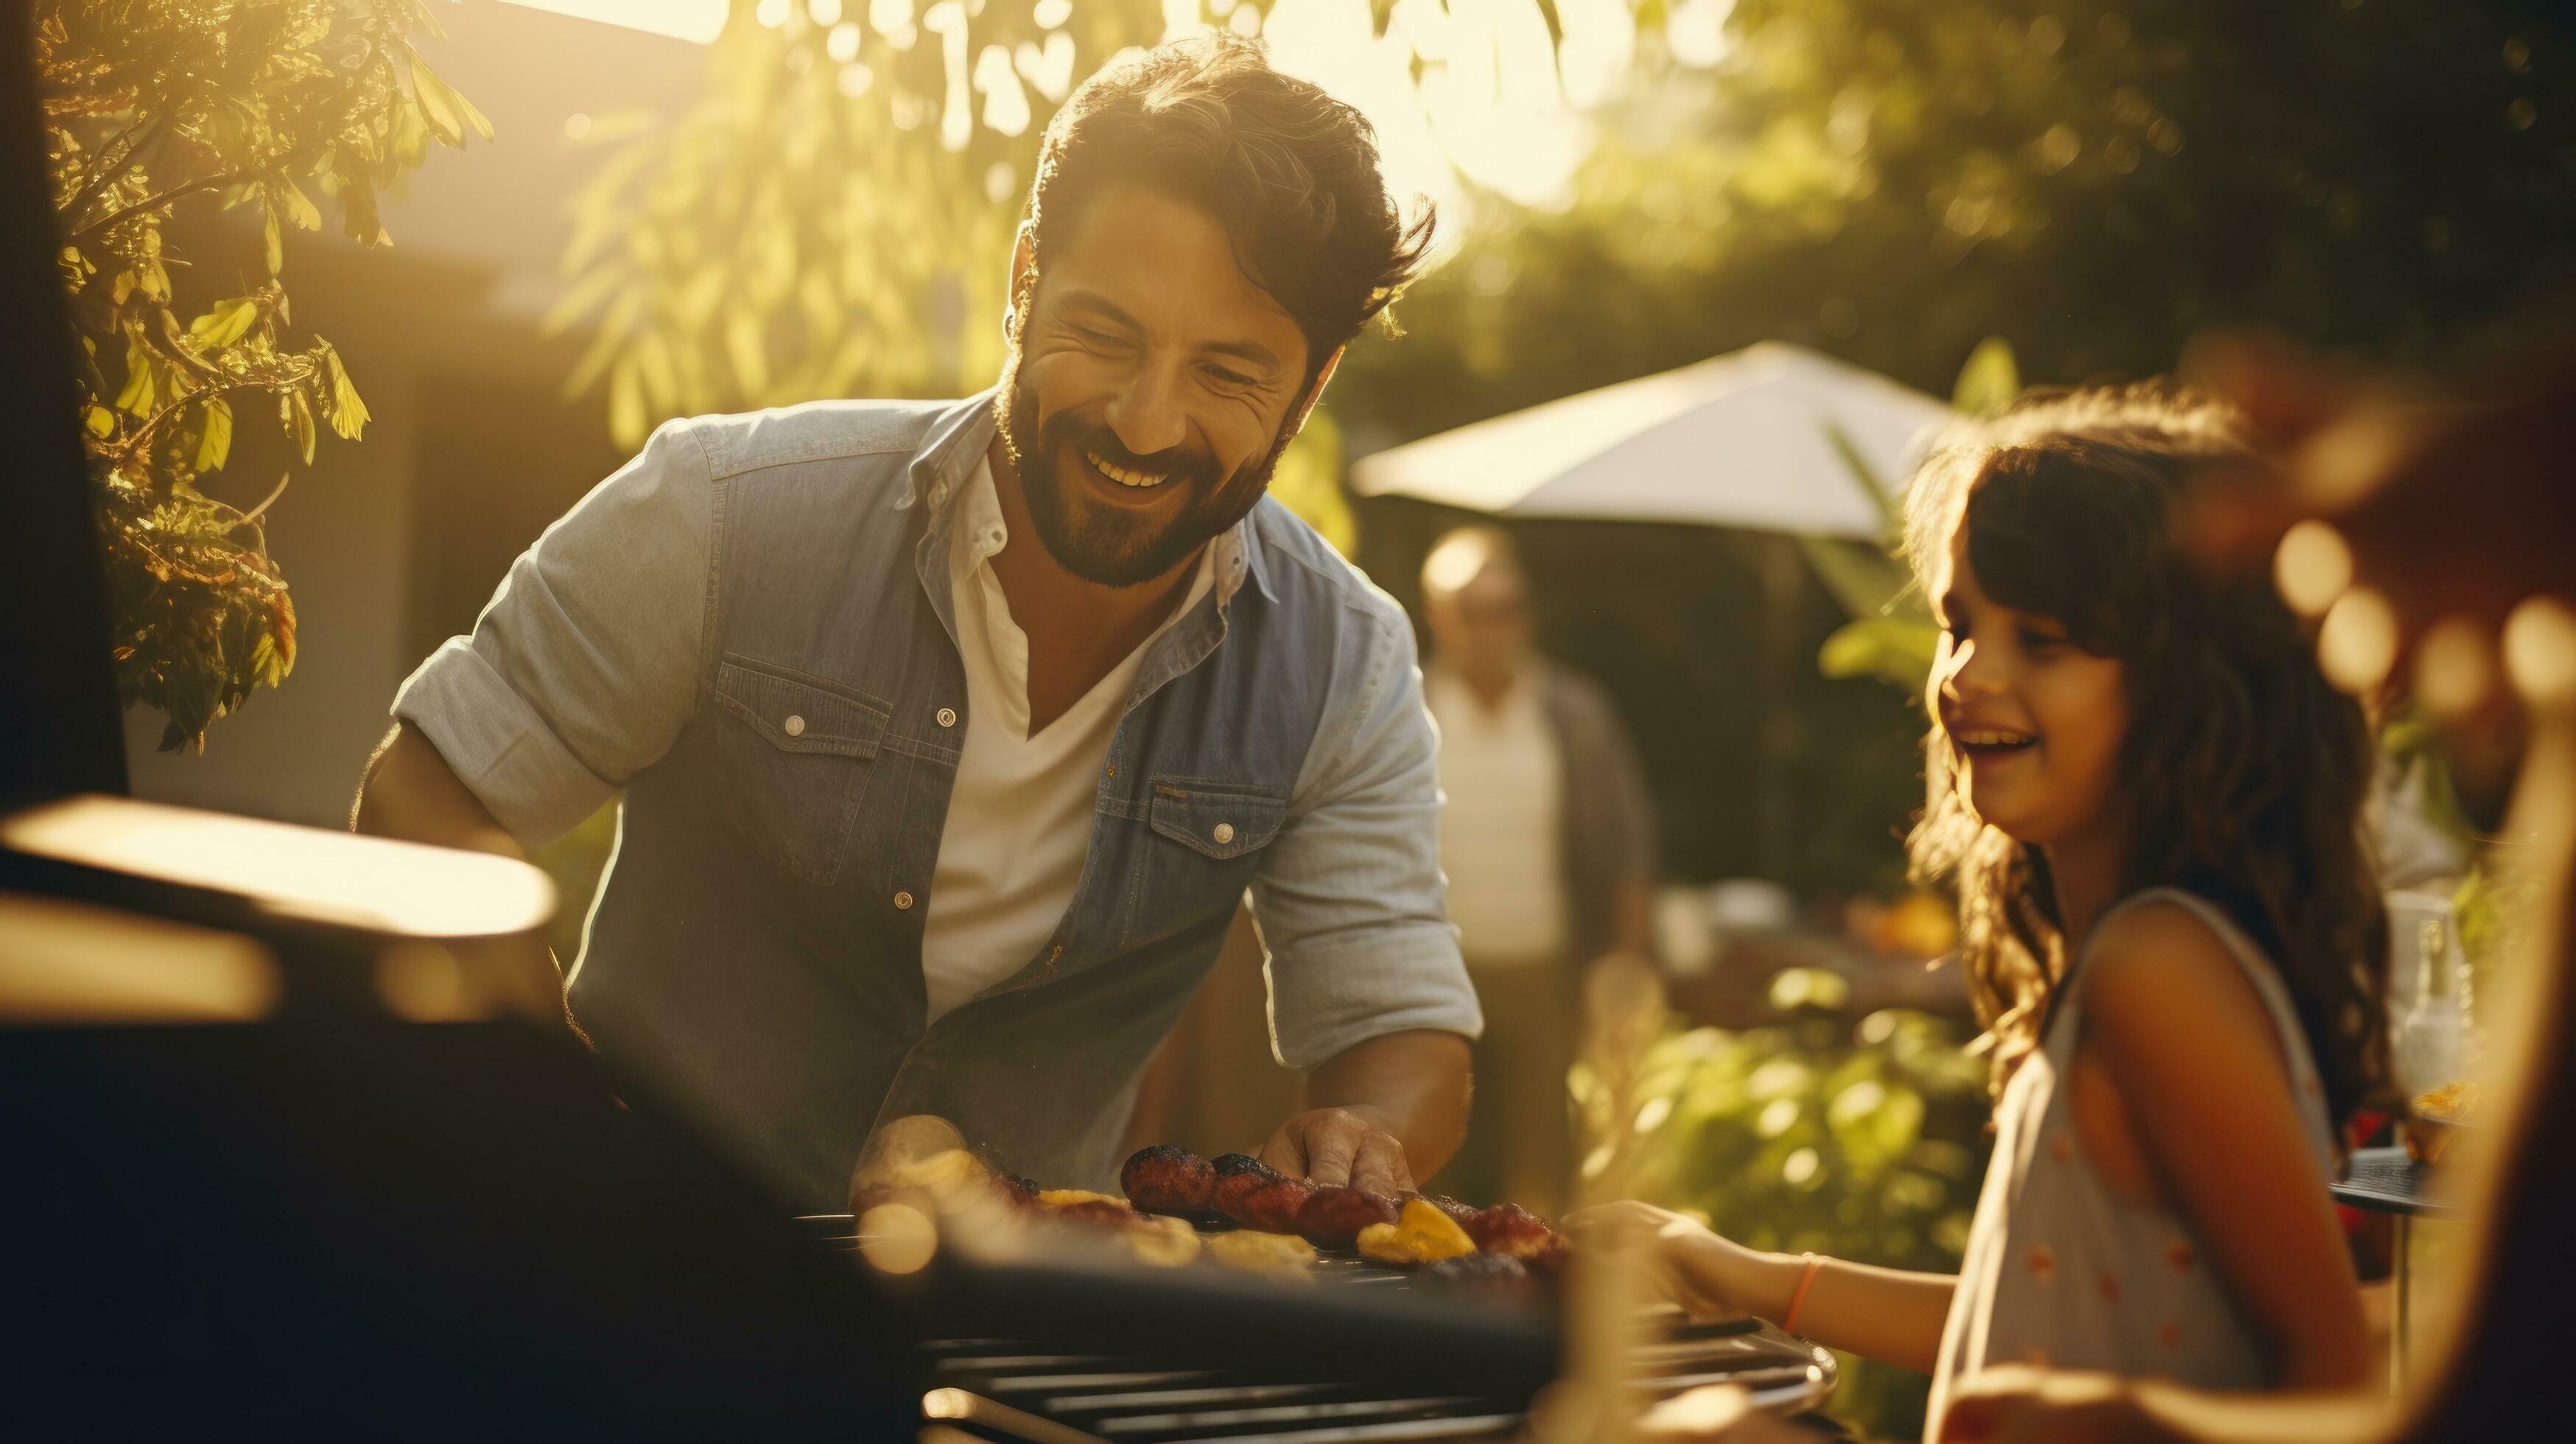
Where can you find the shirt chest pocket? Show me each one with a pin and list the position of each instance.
(798, 755)
(1202, 841)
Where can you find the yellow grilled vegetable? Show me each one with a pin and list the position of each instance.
(1420, 1235)
(1163, 1242)
(1281, 1255)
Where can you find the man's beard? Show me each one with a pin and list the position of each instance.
(1101, 544)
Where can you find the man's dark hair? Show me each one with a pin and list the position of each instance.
(1288, 171)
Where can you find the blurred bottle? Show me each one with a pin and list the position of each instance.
(2430, 1045)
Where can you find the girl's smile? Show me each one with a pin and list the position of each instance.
(2035, 721)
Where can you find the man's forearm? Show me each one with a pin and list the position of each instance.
(1413, 1085)
(409, 792)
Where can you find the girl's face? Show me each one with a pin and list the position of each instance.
(2035, 721)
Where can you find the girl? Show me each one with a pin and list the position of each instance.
(2148, 800)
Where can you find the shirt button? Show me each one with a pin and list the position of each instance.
(1113, 769)
(1224, 833)
(794, 726)
(947, 716)
(902, 900)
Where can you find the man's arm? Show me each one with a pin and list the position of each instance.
(411, 793)
(579, 673)
(1367, 990)
(1378, 1113)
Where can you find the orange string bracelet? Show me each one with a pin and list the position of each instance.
(1798, 1297)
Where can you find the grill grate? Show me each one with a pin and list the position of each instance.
(1005, 1388)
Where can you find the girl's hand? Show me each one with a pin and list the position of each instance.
(1702, 1272)
(2016, 1404)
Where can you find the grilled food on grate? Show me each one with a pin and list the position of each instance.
(1422, 1235)
(1278, 1255)
(1333, 1217)
(1165, 1179)
(1240, 1189)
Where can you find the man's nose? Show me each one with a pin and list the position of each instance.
(1147, 415)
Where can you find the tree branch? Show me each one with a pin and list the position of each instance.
(105, 170)
(251, 517)
(153, 422)
(174, 194)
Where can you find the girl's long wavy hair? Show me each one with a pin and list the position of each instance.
(2244, 773)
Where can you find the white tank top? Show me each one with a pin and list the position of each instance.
(2063, 1270)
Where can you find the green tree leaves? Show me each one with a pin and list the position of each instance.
(226, 323)
(447, 114)
(153, 106)
(216, 442)
(834, 216)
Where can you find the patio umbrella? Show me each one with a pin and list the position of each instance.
(1742, 440)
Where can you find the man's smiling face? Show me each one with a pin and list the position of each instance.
(1152, 390)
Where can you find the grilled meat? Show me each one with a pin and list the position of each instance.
(1333, 1217)
(1275, 1206)
(1514, 1231)
(1165, 1179)
(1238, 1177)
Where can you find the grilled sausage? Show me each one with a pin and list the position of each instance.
(1165, 1179)
(1333, 1217)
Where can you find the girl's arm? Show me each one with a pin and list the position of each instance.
(1886, 1314)
(2016, 1404)
(2196, 1066)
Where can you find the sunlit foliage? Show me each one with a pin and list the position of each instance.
(155, 109)
(1893, 180)
(1807, 1134)
(1891, 634)
(834, 218)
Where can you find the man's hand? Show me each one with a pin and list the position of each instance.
(1354, 1146)
(1375, 1109)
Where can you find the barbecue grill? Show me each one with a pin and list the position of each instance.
(1062, 1352)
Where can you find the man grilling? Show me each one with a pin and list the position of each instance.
(951, 734)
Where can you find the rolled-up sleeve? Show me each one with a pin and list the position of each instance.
(582, 669)
(1349, 898)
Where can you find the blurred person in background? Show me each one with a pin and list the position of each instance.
(951, 734)
(1548, 840)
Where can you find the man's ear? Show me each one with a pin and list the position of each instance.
(1315, 392)
(1022, 283)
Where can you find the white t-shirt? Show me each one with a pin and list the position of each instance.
(1019, 821)
(1500, 839)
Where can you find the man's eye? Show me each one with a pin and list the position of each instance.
(2035, 641)
(1223, 377)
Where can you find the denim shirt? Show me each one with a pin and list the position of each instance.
(749, 630)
